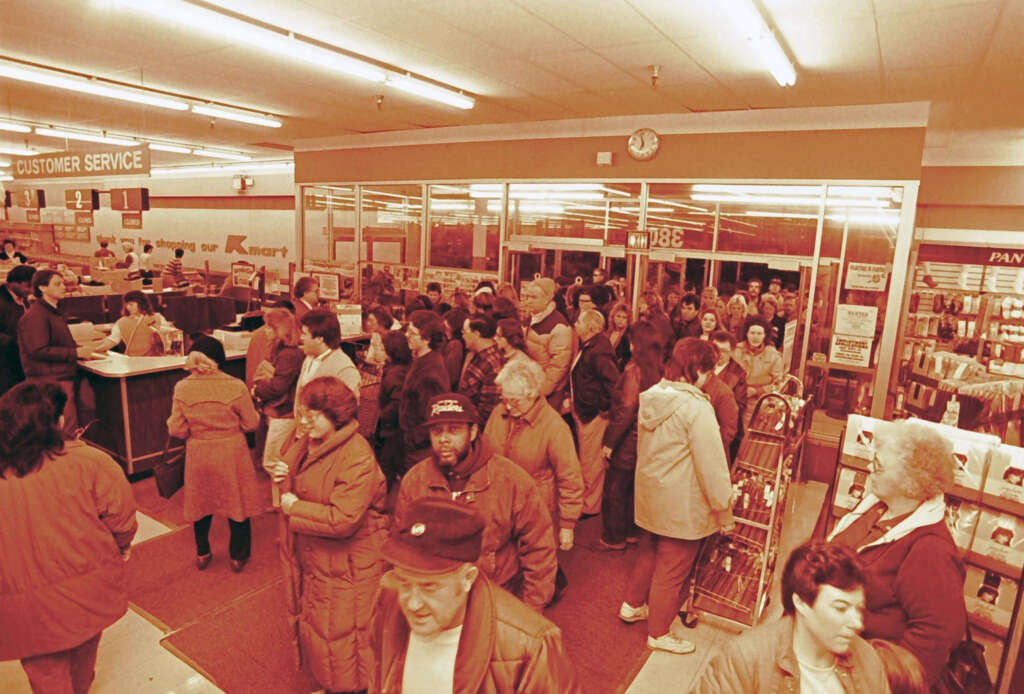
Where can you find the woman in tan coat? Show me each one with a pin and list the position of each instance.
(67, 528)
(212, 410)
(336, 523)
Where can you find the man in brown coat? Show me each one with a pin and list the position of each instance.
(519, 545)
(434, 593)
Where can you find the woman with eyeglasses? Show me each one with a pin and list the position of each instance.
(526, 429)
(334, 503)
(914, 577)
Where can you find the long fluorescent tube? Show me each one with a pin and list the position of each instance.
(412, 85)
(222, 168)
(762, 39)
(6, 178)
(52, 78)
(222, 26)
(4, 162)
(84, 137)
(240, 116)
(220, 155)
(177, 149)
(18, 151)
(14, 127)
(785, 200)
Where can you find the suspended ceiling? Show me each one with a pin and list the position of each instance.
(527, 60)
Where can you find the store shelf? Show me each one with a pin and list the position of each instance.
(842, 367)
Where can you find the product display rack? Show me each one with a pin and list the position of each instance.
(985, 513)
(734, 572)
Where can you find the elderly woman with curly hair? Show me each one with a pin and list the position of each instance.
(914, 579)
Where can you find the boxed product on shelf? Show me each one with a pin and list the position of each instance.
(1000, 536)
(962, 521)
(992, 650)
(1005, 476)
(970, 454)
(990, 598)
(860, 437)
(850, 489)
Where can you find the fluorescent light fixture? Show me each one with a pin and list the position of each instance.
(240, 116)
(14, 127)
(537, 195)
(18, 151)
(4, 162)
(743, 189)
(222, 26)
(176, 149)
(6, 178)
(267, 166)
(751, 25)
(410, 84)
(786, 200)
(220, 155)
(85, 137)
(54, 78)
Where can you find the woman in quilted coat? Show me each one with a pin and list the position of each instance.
(334, 503)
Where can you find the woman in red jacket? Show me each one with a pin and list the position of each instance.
(336, 525)
(914, 579)
(68, 524)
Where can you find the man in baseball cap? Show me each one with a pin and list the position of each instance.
(518, 545)
(434, 593)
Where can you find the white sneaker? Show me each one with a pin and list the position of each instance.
(630, 614)
(670, 643)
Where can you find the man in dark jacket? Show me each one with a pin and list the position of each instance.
(427, 377)
(594, 374)
(444, 625)
(48, 351)
(733, 375)
(687, 323)
(518, 544)
(13, 301)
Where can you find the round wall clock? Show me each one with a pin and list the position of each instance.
(643, 144)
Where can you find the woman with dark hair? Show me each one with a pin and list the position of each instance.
(454, 351)
(504, 308)
(426, 378)
(510, 339)
(336, 523)
(138, 328)
(211, 411)
(68, 524)
(708, 322)
(378, 322)
(650, 309)
(683, 490)
(762, 362)
(390, 449)
(618, 332)
(620, 438)
(11, 252)
(483, 302)
(275, 381)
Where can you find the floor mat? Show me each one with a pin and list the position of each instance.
(245, 647)
(606, 651)
(163, 581)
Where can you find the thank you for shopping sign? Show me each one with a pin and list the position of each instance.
(117, 161)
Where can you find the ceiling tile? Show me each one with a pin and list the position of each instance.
(925, 83)
(885, 7)
(842, 44)
(595, 23)
(675, 66)
(705, 98)
(586, 69)
(677, 20)
(946, 36)
(818, 9)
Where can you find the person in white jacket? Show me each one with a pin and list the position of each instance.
(683, 490)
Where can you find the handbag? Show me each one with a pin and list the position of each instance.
(169, 472)
(966, 671)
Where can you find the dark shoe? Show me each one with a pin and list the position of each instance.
(632, 540)
(584, 516)
(561, 585)
(600, 545)
(238, 564)
(203, 560)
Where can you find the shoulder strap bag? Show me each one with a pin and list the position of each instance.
(170, 471)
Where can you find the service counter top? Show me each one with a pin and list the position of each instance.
(116, 365)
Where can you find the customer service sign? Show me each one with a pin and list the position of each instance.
(117, 161)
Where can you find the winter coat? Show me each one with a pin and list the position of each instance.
(764, 369)
(727, 412)
(735, 376)
(390, 397)
(277, 393)
(914, 584)
(339, 524)
(551, 342)
(426, 378)
(48, 351)
(64, 527)
(258, 351)
(505, 648)
(623, 349)
(762, 660)
(664, 326)
(620, 434)
(683, 489)
(540, 442)
(331, 363)
(594, 374)
(454, 354)
(11, 312)
(518, 544)
(211, 411)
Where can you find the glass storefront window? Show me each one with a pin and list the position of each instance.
(464, 231)
(764, 219)
(568, 210)
(329, 227)
(676, 220)
(391, 229)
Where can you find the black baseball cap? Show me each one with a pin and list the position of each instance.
(451, 407)
(437, 535)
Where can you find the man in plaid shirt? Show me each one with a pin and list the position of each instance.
(477, 382)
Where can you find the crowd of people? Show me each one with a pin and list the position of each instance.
(503, 418)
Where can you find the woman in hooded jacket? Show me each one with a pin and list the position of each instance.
(683, 491)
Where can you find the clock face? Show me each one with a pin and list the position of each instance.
(643, 144)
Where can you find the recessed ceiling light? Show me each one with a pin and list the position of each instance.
(240, 116)
(85, 137)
